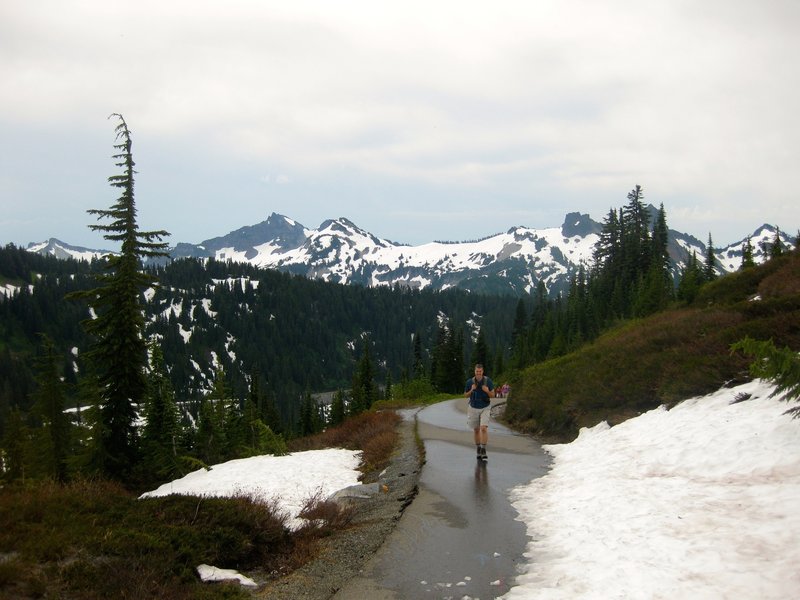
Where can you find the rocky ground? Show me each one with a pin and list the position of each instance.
(378, 507)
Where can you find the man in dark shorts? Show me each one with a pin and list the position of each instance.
(480, 391)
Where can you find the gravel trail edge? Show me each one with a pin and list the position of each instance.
(344, 554)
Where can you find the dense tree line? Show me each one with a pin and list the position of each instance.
(631, 276)
(298, 333)
(273, 337)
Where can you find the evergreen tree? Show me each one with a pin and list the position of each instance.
(779, 365)
(709, 270)
(520, 321)
(654, 292)
(161, 435)
(236, 428)
(480, 353)
(541, 325)
(617, 257)
(691, 280)
(456, 362)
(119, 351)
(310, 422)
(357, 403)
(447, 370)
(338, 411)
(271, 417)
(16, 440)
(89, 435)
(209, 434)
(387, 392)
(636, 236)
(212, 427)
(499, 361)
(656, 286)
(439, 370)
(260, 439)
(262, 399)
(776, 248)
(418, 368)
(747, 254)
(366, 377)
(49, 406)
(575, 325)
(607, 248)
(660, 241)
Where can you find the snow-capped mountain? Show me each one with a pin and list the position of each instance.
(277, 233)
(341, 252)
(511, 262)
(60, 249)
(730, 258)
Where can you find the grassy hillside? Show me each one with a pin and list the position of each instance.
(676, 354)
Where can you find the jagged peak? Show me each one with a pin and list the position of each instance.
(339, 225)
(278, 219)
(579, 224)
(765, 229)
(344, 227)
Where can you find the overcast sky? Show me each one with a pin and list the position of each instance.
(418, 120)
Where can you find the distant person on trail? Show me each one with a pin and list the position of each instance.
(479, 390)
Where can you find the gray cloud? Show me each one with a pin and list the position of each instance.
(521, 108)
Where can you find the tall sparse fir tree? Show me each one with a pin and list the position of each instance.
(119, 351)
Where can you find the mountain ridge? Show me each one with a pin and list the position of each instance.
(510, 262)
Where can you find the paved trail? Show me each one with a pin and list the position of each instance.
(459, 538)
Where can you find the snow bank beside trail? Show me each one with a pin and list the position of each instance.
(209, 573)
(701, 501)
(291, 479)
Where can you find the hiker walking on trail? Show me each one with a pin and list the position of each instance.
(479, 390)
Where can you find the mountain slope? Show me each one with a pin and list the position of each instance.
(674, 354)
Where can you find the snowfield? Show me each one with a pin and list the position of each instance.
(290, 480)
(701, 501)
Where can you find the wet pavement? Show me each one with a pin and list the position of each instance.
(459, 538)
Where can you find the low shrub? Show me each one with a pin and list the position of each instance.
(372, 432)
(93, 539)
(323, 515)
